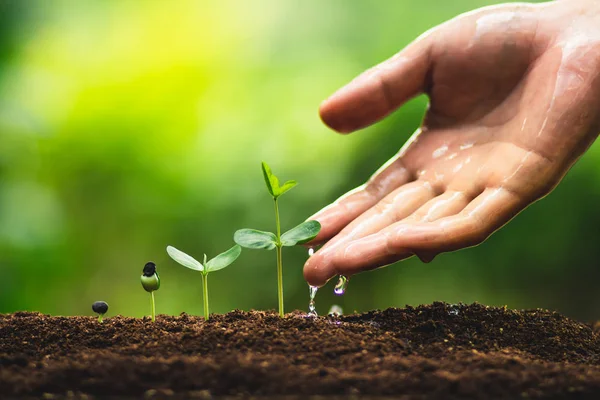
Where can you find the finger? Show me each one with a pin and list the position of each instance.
(485, 214)
(447, 204)
(380, 90)
(394, 207)
(337, 215)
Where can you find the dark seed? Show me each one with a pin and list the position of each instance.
(149, 269)
(100, 307)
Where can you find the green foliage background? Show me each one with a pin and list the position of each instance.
(129, 125)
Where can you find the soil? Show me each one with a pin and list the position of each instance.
(434, 351)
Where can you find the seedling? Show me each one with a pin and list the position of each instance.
(150, 283)
(219, 262)
(254, 239)
(100, 308)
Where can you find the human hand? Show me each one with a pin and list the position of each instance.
(514, 101)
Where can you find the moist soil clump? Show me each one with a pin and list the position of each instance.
(433, 351)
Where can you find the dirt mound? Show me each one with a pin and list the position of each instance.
(433, 351)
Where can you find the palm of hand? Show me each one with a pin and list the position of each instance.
(511, 110)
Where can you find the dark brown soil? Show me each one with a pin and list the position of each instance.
(434, 351)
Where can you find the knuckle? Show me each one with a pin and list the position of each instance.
(374, 187)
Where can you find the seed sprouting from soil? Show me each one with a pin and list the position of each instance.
(150, 282)
(100, 308)
(335, 311)
(340, 286)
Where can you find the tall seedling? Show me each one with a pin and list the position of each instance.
(254, 239)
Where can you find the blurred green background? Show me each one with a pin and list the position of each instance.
(129, 125)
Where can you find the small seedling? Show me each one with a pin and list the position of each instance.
(150, 283)
(219, 262)
(100, 308)
(253, 239)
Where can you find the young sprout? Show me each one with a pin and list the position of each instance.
(219, 262)
(150, 283)
(253, 239)
(100, 308)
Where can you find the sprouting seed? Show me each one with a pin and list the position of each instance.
(341, 285)
(219, 262)
(100, 308)
(335, 311)
(254, 239)
(150, 283)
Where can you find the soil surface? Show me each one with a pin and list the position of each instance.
(434, 351)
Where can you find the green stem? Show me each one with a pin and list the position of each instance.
(279, 261)
(205, 295)
(153, 307)
(277, 221)
(100, 318)
(280, 281)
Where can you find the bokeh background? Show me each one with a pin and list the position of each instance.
(129, 125)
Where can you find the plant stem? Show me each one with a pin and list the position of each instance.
(277, 221)
(205, 295)
(100, 318)
(279, 261)
(153, 307)
(280, 281)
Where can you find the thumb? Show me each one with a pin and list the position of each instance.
(381, 89)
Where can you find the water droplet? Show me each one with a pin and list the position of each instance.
(340, 286)
(335, 311)
(453, 309)
(312, 310)
(311, 251)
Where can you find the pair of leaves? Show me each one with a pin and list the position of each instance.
(273, 182)
(254, 239)
(219, 262)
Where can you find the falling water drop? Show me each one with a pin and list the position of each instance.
(335, 311)
(340, 287)
(312, 310)
(312, 290)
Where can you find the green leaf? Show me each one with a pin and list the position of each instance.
(271, 180)
(286, 186)
(224, 259)
(253, 239)
(184, 259)
(301, 234)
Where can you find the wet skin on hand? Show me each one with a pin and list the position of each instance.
(514, 101)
